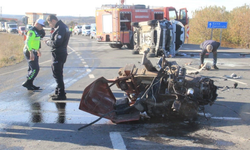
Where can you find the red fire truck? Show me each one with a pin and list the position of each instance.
(114, 23)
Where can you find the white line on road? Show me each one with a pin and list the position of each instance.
(22, 68)
(222, 77)
(208, 115)
(27, 67)
(117, 141)
(226, 118)
(235, 81)
(91, 76)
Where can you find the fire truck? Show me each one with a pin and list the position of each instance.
(114, 23)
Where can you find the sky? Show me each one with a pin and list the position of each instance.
(87, 8)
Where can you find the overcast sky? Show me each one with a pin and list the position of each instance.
(87, 7)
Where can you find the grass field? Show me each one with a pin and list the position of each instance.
(11, 49)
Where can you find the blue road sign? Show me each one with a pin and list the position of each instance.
(221, 25)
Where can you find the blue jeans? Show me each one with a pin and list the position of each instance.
(203, 53)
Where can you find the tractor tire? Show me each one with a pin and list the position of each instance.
(112, 45)
(152, 22)
(118, 46)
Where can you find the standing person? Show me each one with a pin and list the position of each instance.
(209, 46)
(32, 53)
(59, 41)
(70, 30)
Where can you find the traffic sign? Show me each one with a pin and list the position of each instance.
(220, 25)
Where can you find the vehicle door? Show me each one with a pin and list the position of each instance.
(183, 17)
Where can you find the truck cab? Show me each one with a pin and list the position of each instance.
(12, 28)
(86, 30)
(115, 22)
(77, 30)
(170, 13)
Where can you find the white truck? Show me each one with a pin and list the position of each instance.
(2, 27)
(11, 27)
(86, 30)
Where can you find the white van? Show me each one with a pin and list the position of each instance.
(77, 30)
(93, 31)
(85, 30)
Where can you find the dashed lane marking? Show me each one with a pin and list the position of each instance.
(117, 141)
(222, 77)
(91, 76)
(208, 115)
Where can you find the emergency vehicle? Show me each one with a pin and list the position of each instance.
(114, 23)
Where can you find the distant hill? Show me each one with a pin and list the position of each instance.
(19, 17)
(66, 19)
(79, 20)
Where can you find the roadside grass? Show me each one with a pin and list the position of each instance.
(11, 49)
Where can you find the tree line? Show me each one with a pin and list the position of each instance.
(237, 33)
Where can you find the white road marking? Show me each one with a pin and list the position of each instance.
(226, 118)
(117, 141)
(222, 77)
(86, 66)
(91, 76)
(23, 68)
(235, 81)
(88, 70)
(208, 115)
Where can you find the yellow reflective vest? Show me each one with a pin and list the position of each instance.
(33, 40)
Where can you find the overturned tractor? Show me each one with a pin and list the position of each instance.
(160, 92)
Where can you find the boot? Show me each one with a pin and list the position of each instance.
(59, 97)
(28, 85)
(215, 67)
(55, 94)
(34, 87)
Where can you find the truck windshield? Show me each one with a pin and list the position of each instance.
(172, 15)
(87, 27)
(12, 26)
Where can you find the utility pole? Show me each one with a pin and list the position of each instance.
(0, 12)
(79, 18)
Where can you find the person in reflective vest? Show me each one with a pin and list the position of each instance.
(32, 53)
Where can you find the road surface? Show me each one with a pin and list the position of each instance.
(30, 120)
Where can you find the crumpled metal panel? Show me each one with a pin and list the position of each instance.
(98, 100)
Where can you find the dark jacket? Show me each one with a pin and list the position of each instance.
(42, 33)
(59, 39)
(215, 45)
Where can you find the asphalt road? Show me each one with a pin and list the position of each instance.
(30, 120)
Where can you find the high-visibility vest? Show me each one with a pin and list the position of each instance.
(32, 40)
